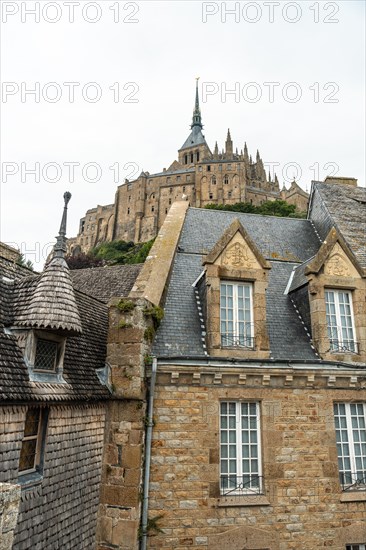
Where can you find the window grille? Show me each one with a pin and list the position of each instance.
(46, 355)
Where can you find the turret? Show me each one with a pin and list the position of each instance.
(228, 146)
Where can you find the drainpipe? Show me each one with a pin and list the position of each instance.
(145, 504)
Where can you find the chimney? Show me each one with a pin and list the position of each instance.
(341, 181)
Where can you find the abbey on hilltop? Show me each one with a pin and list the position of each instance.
(199, 175)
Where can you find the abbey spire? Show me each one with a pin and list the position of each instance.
(197, 119)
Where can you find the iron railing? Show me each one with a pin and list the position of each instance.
(231, 484)
(229, 339)
(352, 482)
(339, 343)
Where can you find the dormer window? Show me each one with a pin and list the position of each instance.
(44, 355)
(236, 314)
(340, 323)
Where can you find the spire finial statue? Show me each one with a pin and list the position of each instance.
(196, 119)
(60, 246)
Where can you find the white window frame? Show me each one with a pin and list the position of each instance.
(338, 341)
(356, 547)
(234, 340)
(350, 422)
(235, 478)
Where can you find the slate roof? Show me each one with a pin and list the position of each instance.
(105, 282)
(195, 138)
(299, 278)
(287, 239)
(83, 354)
(283, 241)
(346, 208)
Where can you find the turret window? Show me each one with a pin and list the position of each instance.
(46, 355)
(197, 156)
(191, 157)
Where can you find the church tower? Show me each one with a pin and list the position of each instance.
(195, 148)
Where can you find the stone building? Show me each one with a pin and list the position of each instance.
(199, 175)
(258, 387)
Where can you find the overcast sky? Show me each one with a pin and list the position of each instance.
(296, 72)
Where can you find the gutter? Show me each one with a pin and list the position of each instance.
(204, 361)
(145, 503)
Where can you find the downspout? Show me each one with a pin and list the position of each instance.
(145, 504)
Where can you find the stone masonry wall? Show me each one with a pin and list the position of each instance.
(129, 338)
(303, 506)
(9, 506)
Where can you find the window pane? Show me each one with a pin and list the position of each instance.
(31, 422)
(28, 455)
(46, 353)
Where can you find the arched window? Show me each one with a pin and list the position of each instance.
(197, 156)
(185, 159)
(191, 157)
(226, 179)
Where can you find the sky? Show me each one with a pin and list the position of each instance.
(94, 92)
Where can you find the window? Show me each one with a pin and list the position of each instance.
(188, 178)
(31, 453)
(170, 201)
(152, 209)
(229, 166)
(168, 180)
(213, 180)
(178, 178)
(200, 168)
(185, 159)
(197, 156)
(340, 326)
(211, 196)
(236, 315)
(46, 358)
(208, 168)
(192, 157)
(240, 453)
(351, 444)
(220, 167)
(128, 210)
(226, 179)
(184, 188)
(356, 547)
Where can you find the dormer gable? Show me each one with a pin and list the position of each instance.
(335, 258)
(236, 278)
(336, 291)
(237, 250)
